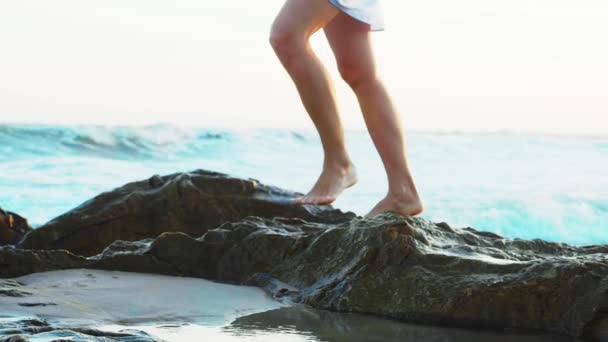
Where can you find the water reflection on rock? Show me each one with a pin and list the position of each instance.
(318, 325)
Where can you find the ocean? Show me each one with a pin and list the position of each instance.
(551, 187)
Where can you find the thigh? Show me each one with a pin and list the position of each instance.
(304, 16)
(350, 41)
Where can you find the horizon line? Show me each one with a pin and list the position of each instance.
(505, 131)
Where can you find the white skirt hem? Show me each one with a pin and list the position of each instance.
(367, 11)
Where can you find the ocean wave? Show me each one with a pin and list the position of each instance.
(518, 186)
(127, 142)
(18, 141)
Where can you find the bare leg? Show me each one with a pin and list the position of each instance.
(350, 42)
(296, 22)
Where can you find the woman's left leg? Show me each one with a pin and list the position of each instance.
(350, 42)
(291, 30)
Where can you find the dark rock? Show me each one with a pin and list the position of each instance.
(17, 330)
(12, 288)
(23, 326)
(12, 228)
(29, 305)
(16, 262)
(403, 268)
(598, 331)
(408, 269)
(191, 203)
(14, 338)
(273, 287)
(13, 293)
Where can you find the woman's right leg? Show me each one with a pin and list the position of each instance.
(350, 41)
(291, 30)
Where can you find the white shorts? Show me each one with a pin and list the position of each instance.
(367, 11)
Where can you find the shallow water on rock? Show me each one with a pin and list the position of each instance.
(143, 307)
(84, 297)
(300, 323)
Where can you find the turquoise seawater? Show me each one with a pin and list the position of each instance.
(516, 185)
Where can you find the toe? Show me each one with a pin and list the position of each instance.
(315, 199)
(300, 200)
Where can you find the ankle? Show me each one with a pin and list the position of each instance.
(403, 193)
(342, 165)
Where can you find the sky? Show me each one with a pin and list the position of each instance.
(468, 65)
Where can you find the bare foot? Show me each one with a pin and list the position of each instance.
(403, 204)
(331, 183)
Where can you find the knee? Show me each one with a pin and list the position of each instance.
(279, 39)
(286, 42)
(356, 74)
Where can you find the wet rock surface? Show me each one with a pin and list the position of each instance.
(13, 228)
(408, 269)
(191, 203)
(16, 262)
(22, 330)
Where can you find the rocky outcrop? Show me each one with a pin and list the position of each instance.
(191, 203)
(18, 262)
(405, 268)
(409, 269)
(12, 228)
